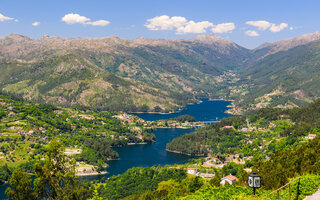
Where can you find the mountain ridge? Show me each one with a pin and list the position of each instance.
(150, 73)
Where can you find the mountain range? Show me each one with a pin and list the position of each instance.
(156, 75)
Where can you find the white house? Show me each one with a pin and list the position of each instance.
(228, 179)
(311, 136)
(192, 171)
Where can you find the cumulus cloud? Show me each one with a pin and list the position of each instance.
(73, 18)
(278, 28)
(5, 18)
(194, 27)
(165, 22)
(183, 26)
(252, 33)
(261, 25)
(35, 23)
(264, 25)
(223, 28)
(99, 23)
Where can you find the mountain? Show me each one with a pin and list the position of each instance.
(144, 75)
(283, 45)
(280, 74)
(116, 74)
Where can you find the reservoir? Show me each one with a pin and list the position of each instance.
(204, 111)
(155, 153)
(147, 155)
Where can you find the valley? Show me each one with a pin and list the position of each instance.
(115, 109)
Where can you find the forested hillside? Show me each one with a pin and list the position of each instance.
(116, 74)
(260, 133)
(143, 74)
(26, 128)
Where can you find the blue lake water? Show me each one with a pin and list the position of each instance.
(146, 155)
(205, 111)
(155, 154)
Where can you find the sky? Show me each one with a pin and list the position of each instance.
(249, 23)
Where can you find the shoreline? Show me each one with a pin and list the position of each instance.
(179, 152)
(91, 173)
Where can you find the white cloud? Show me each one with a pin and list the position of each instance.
(183, 26)
(261, 25)
(72, 18)
(264, 25)
(278, 28)
(165, 22)
(252, 33)
(35, 23)
(99, 23)
(223, 28)
(291, 28)
(5, 18)
(75, 18)
(194, 27)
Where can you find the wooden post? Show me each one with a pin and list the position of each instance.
(289, 193)
(288, 184)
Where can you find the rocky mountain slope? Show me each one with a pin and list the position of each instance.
(160, 75)
(287, 76)
(116, 74)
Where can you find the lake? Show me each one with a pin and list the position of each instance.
(205, 111)
(155, 153)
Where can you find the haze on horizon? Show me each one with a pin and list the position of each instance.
(247, 23)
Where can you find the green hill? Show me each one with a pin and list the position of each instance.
(115, 74)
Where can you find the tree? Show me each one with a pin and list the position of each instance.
(55, 179)
(21, 188)
(215, 181)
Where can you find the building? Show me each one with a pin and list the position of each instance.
(311, 136)
(230, 179)
(192, 171)
(229, 158)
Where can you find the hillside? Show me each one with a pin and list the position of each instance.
(282, 74)
(116, 74)
(146, 75)
(27, 128)
(259, 134)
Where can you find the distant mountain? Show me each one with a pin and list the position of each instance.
(288, 75)
(283, 45)
(116, 74)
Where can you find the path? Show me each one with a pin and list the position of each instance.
(315, 196)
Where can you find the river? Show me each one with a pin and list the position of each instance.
(155, 153)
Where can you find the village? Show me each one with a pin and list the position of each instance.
(137, 123)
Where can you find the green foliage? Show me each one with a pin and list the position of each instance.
(137, 180)
(55, 179)
(184, 118)
(290, 163)
(21, 188)
(5, 173)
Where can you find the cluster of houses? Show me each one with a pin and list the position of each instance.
(217, 163)
(230, 179)
(30, 132)
(126, 117)
(311, 136)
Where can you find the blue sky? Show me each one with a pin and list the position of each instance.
(247, 22)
